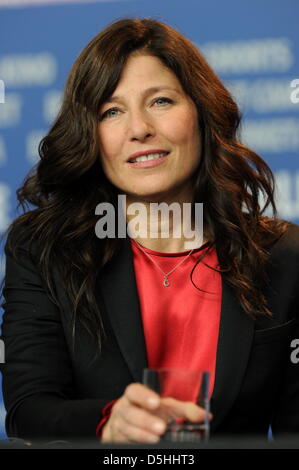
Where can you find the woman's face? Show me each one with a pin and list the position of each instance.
(138, 119)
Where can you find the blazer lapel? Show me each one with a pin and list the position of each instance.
(119, 292)
(234, 345)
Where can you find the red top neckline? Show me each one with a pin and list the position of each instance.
(162, 253)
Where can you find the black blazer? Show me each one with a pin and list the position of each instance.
(50, 390)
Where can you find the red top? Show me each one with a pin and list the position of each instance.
(180, 322)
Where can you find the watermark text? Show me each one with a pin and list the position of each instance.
(2, 92)
(2, 352)
(152, 220)
(295, 354)
(295, 93)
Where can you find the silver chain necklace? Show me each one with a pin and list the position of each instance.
(166, 282)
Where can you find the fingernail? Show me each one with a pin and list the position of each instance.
(159, 427)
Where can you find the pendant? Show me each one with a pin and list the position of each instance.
(166, 282)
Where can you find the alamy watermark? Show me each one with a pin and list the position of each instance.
(153, 220)
(2, 352)
(295, 354)
(2, 92)
(295, 94)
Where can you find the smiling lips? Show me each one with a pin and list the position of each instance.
(147, 158)
(143, 153)
(149, 161)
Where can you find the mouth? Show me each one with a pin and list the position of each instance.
(148, 161)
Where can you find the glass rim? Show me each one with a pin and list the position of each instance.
(177, 370)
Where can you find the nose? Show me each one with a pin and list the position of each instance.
(140, 126)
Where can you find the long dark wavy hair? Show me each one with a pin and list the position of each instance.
(68, 182)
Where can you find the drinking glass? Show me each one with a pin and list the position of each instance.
(183, 385)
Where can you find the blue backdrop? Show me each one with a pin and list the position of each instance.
(251, 45)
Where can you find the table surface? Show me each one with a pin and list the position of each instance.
(227, 442)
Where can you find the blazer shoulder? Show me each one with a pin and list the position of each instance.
(18, 240)
(288, 244)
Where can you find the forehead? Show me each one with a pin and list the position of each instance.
(148, 75)
(145, 66)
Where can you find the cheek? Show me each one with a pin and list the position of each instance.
(182, 128)
(109, 147)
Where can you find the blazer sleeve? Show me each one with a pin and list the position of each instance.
(286, 419)
(37, 379)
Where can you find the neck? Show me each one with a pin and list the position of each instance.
(166, 227)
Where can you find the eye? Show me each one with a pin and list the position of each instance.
(162, 98)
(107, 113)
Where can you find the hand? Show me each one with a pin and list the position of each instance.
(141, 415)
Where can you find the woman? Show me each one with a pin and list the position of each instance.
(84, 314)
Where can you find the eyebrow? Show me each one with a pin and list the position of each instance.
(146, 92)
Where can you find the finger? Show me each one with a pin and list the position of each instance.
(142, 396)
(143, 419)
(187, 410)
(126, 432)
(118, 436)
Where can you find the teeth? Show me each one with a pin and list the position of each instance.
(151, 156)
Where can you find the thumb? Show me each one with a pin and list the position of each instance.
(185, 409)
